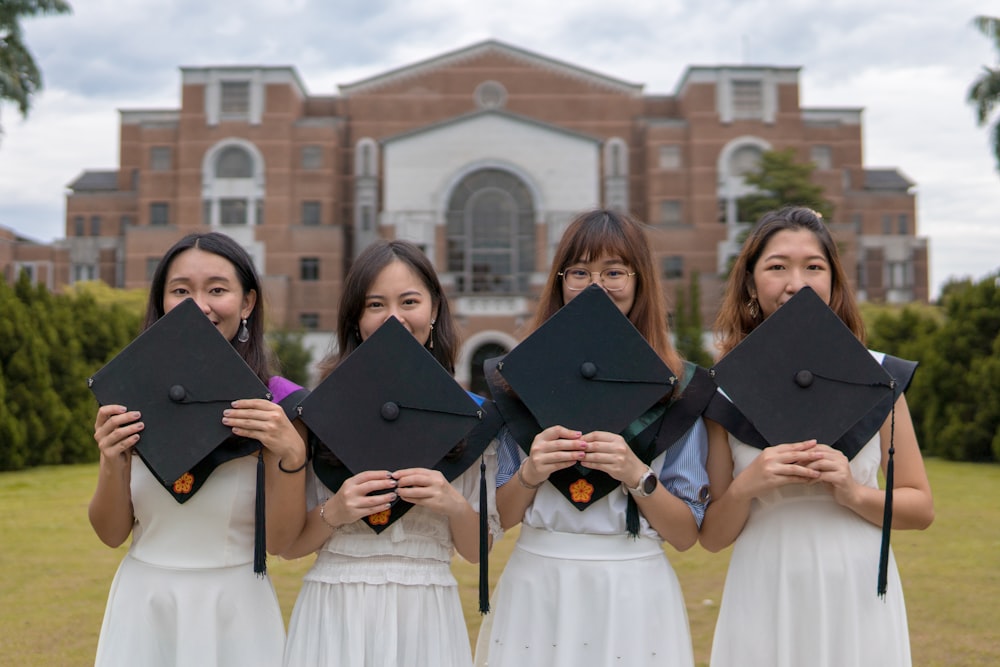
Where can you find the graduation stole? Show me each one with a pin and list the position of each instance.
(651, 434)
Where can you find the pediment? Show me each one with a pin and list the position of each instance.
(489, 55)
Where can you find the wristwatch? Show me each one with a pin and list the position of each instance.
(647, 484)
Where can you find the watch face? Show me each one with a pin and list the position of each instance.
(649, 483)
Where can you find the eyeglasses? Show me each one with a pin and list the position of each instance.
(578, 278)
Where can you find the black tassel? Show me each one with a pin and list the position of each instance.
(632, 517)
(259, 529)
(883, 560)
(484, 543)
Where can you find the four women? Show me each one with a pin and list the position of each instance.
(577, 589)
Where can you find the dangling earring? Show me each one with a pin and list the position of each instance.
(244, 332)
(430, 343)
(754, 308)
(357, 333)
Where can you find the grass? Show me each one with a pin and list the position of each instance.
(56, 574)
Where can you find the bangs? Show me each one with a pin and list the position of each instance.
(601, 237)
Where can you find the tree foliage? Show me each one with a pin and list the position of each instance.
(49, 346)
(781, 181)
(20, 77)
(687, 327)
(293, 356)
(955, 396)
(984, 93)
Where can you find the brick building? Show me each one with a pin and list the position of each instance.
(481, 156)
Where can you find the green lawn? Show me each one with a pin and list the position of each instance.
(55, 573)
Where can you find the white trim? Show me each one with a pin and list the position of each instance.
(463, 371)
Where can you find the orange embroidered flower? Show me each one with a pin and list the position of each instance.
(581, 490)
(184, 483)
(379, 518)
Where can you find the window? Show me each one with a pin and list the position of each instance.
(159, 213)
(904, 224)
(744, 160)
(95, 225)
(887, 224)
(312, 157)
(491, 233)
(309, 321)
(899, 275)
(670, 157)
(856, 221)
(233, 211)
(84, 272)
(309, 269)
(78, 225)
(28, 269)
(151, 264)
(672, 266)
(311, 213)
(235, 98)
(822, 157)
(670, 213)
(124, 223)
(160, 158)
(367, 218)
(233, 162)
(748, 99)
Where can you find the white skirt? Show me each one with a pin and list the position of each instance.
(170, 617)
(575, 600)
(377, 625)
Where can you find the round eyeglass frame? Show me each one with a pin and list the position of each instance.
(600, 275)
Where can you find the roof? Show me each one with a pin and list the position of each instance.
(887, 179)
(491, 46)
(482, 113)
(95, 181)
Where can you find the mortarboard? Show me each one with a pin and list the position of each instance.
(180, 374)
(802, 374)
(391, 405)
(588, 368)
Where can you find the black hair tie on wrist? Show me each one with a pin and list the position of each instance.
(292, 472)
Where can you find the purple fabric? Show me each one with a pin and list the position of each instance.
(280, 388)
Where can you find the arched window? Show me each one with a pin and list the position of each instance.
(491, 233)
(744, 160)
(233, 162)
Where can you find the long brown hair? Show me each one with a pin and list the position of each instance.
(736, 319)
(255, 351)
(359, 280)
(602, 232)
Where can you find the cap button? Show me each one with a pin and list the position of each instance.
(177, 393)
(588, 369)
(389, 411)
(803, 379)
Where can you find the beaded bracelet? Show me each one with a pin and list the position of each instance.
(520, 478)
(322, 515)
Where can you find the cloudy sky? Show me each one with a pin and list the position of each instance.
(909, 67)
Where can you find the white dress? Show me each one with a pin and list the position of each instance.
(388, 599)
(186, 593)
(801, 587)
(577, 591)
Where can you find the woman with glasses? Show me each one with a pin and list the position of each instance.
(590, 587)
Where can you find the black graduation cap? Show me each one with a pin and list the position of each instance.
(180, 373)
(391, 405)
(587, 368)
(803, 374)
